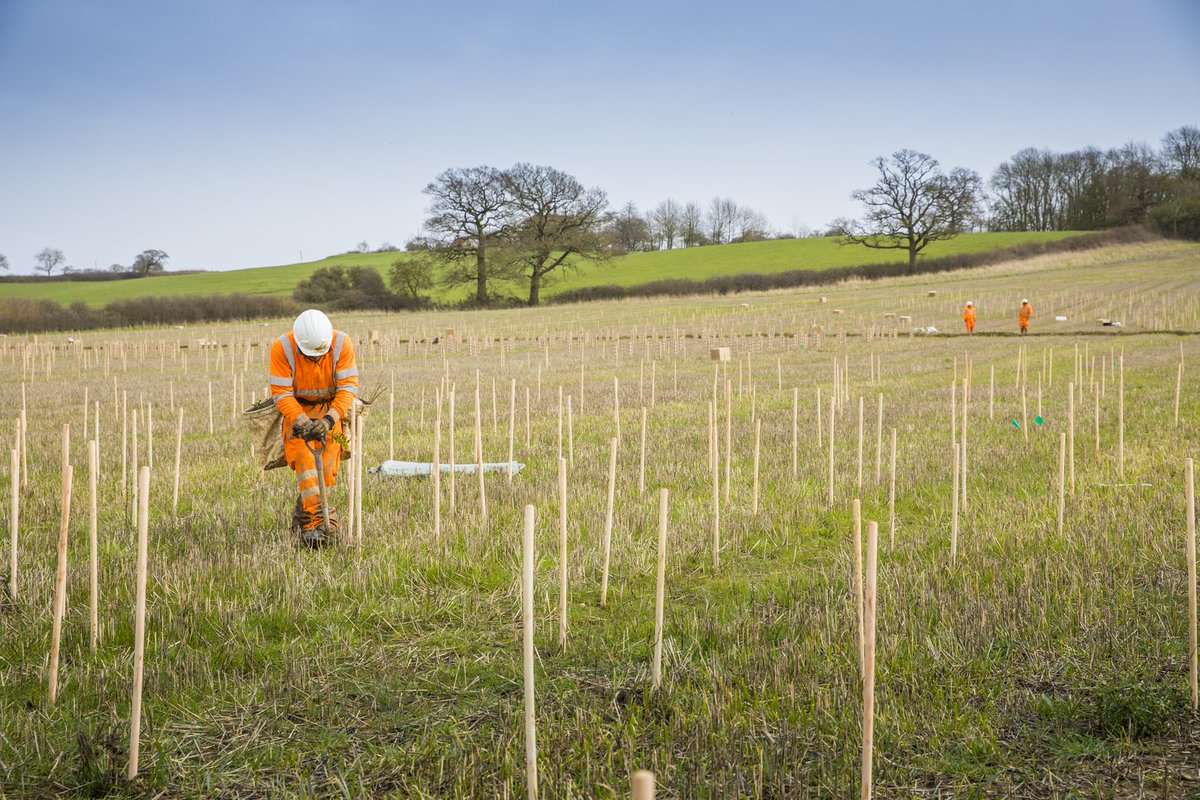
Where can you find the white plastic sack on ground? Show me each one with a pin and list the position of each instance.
(1060, 318)
(409, 469)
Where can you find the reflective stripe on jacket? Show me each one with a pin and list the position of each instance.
(297, 380)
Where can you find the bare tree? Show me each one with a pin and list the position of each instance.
(48, 259)
(1135, 183)
(691, 225)
(666, 219)
(750, 225)
(914, 203)
(3, 262)
(148, 262)
(629, 230)
(1181, 152)
(557, 223)
(721, 218)
(470, 209)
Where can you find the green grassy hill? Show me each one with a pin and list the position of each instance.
(694, 262)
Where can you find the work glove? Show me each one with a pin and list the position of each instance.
(311, 429)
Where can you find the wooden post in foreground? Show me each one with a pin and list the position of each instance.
(1190, 495)
(858, 580)
(14, 463)
(178, 455)
(139, 634)
(892, 495)
(757, 441)
(60, 581)
(642, 457)
(93, 544)
(1062, 486)
(531, 776)
(562, 554)
(643, 785)
(1121, 418)
(660, 578)
(608, 518)
(868, 684)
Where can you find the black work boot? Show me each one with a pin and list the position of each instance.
(314, 538)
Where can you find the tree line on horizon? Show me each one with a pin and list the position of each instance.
(527, 224)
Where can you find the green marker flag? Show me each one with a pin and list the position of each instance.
(1016, 424)
(1038, 420)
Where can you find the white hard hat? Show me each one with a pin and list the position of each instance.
(314, 332)
(970, 303)
(1025, 300)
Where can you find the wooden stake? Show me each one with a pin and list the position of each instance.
(1178, 388)
(14, 464)
(1190, 498)
(716, 499)
(479, 456)
(643, 785)
(832, 414)
(531, 776)
(360, 428)
(453, 460)
(757, 441)
(728, 438)
(437, 465)
(570, 434)
(962, 467)
(1062, 494)
(60, 580)
(608, 518)
(562, 554)
(392, 423)
(93, 543)
(1121, 418)
(139, 635)
(178, 457)
(642, 457)
(617, 407)
(795, 433)
(879, 442)
(820, 425)
(858, 480)
(856, 508)
(992, 392)
(1071, 435)
(660, 578)
(954, 510)
(512, 425)
(892, 495)
(210, 410)
(868, 684)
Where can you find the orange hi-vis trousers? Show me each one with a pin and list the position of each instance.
(301, 459)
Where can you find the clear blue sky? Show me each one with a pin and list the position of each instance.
(242, 133)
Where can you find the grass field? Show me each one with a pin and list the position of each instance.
(1032, 664)
(696, 262)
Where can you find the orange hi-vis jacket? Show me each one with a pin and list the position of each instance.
(969, 317)
(304, 389)
(1024, 314)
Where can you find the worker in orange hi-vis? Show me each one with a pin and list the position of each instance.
(314, 380)
(969, 317)
(1024, 315)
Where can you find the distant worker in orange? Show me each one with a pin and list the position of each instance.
(1024, 315)
(969, 317)
(314, 380)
